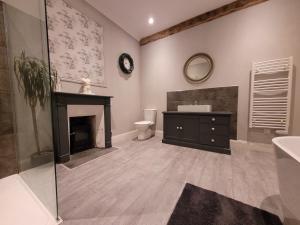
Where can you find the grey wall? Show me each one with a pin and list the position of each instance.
(126, 104)
(266, 31)
(26, 32)
(8, 155)
(34, 8)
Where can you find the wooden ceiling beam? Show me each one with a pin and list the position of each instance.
(200, 19)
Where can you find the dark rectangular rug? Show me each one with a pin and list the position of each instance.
(197, 206)
(83, 157)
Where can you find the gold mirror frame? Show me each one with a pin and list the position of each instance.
(198, 55)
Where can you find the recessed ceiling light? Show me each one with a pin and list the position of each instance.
(151, 20)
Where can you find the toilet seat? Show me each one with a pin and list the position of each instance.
(144, 123)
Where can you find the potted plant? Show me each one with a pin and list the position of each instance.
(36, 84)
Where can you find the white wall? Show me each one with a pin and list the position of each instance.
(126, 104)
(266, 31)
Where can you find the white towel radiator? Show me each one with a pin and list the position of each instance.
(270, 97)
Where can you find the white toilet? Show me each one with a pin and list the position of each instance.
(144, 127)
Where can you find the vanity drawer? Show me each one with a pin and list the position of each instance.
(215, 119)
(215, 140)
(214, 129)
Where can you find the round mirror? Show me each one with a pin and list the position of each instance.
(198, 68)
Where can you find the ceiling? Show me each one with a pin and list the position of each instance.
(132, 15)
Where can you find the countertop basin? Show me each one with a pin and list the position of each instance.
(194, 108)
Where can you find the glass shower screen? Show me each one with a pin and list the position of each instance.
(27, 48)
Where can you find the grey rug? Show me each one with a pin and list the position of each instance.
(197, 206)
(86, 156)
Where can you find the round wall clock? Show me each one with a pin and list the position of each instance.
(126, 63)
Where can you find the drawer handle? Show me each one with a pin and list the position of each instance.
(213, 129)
(181, 128)
(177, 128)
(213, 119)
(212, 140)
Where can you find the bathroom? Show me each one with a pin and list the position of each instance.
(143, 167)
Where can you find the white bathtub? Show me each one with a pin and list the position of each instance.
(288, 165)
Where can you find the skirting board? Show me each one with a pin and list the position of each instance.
(124, 137)
(131, 135)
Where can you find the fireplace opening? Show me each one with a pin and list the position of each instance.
(81, 133)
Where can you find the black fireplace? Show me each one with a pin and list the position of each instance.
(81, 133)
(60, 102)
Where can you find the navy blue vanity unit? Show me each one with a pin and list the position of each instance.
(202, 130)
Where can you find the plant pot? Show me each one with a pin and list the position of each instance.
(38, 159)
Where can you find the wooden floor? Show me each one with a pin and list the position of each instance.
(142, 181)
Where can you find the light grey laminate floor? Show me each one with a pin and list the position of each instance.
(141, 182)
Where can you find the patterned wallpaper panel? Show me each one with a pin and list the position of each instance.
(75, 44)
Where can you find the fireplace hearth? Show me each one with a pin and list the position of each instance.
(81, 133)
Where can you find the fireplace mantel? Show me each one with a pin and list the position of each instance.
(60, 101)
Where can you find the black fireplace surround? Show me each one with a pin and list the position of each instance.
(60, 101)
